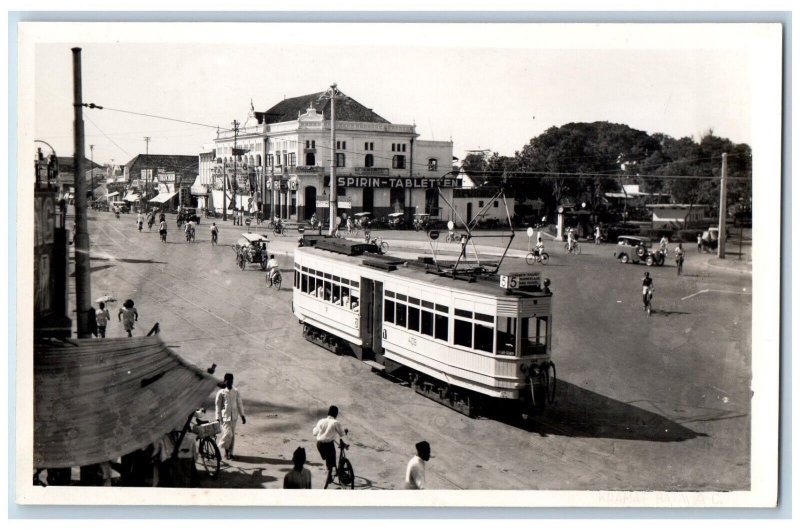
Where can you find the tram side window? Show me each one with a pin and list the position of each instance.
(327, 291)
(388, 311)
(354, 300)
(337, 294)
(426, 322)
(506, 335)
(484, 338)
(400, 315)
(442, 327)
(304, 283)
(413, 318)
(345, 301)
(462, 333)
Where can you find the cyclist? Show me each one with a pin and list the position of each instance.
(272, 268)
(325, 432)
(538, 248)
(647, 291)
(662, 245)
(151, 219)
(189, 231)
(214, 233)
(139, 221)
(162, 230)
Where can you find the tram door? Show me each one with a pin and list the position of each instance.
(371, 305)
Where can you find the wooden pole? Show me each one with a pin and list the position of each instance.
(723, 207)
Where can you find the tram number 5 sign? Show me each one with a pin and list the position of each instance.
(515, 281)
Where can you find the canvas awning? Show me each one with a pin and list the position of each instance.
(163, 197)
(131, 197)
(96, 400)
(199, 189)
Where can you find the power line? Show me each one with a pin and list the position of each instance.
(165, 118)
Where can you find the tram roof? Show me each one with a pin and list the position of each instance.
(415, 270)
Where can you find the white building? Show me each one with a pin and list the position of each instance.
(280, 159)
(676, 215)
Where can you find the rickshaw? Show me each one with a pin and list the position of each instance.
(362, 220)
(421, 221)
(396, 220)
(251, 248)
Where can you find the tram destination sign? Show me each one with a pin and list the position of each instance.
(520, 279)
(397, 182)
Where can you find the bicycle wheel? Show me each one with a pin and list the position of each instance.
(276, 282)
(530, 259)
(210, 457)
(577, 248)
(346, 475)
(545, 257)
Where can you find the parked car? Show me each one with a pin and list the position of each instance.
(632, 249)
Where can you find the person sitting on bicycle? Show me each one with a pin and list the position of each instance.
(349, 224)
(189, 230)
(662, 245)
(647, 289)
(325, 432)
(272, 268)
(538, 248)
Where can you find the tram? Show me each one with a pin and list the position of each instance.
(463, 337)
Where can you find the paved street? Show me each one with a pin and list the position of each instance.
(658, 403)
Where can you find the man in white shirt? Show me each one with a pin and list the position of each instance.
(229, 408)
(272, 268)
(325, 432)
(415, 472)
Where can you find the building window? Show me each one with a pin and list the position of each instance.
(393, 147)
(258, 160)
(433, 164)
(369, 161)
(308, 144)
(496, 204)
(313, 144)
(404, 148)
(341, 145)
(366, 146)
(292, 159)
(270, 161)
(339, 159)
(398, 162)
(480, 204)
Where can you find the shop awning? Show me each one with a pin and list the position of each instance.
(163, 197)
(199, 189)
(131, 197)
(95, 400)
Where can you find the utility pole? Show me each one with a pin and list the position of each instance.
(83, 287)
(91, 160)
(723, 206)
(333, 94)
(147, 170)
(235, 154)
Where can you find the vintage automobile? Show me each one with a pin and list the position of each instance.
(632, 249)
(251, 248)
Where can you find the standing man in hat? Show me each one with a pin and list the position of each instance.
(415, 472)
(229, 409)
(298, 478)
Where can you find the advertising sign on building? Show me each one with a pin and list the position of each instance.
(323, 201)
(344, 202)
(397, 182)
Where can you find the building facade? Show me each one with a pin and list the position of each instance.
(280, 161)
(162, 181)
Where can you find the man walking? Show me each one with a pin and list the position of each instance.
(679, 253)
(128, 315)
(298, 478)
(415, 472)
(325, 432)
(229, 408)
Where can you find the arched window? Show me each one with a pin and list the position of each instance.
(398, 162)
(369, 161)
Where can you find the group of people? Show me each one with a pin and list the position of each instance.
(98, 321)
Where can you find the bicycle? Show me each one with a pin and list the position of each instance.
(208, 452)
(452, 237)
(537, 257)
(576, 248)
(343, 474)
(279, 230)
(276, 280)
(379, 242)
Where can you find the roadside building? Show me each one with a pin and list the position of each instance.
(65, 181)
(480, 203)
(677, 215)
(160, 180)
(280, 160)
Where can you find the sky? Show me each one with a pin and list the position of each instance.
(483, 86)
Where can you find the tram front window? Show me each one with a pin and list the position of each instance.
(506, 335)
(534, 335)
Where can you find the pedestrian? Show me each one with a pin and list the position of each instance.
(162, 230)
(229, 408)
(214, 233)
(597, 235)
(325, 432)
(415, 471)
(128, 315)
(74, 231)
(92, 314)
(679, 254)
(647, 292)
(699, 243)
(298, 478)
(102, 316)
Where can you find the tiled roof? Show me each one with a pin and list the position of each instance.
(346, 110)
(66, 164)
(180, 163)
